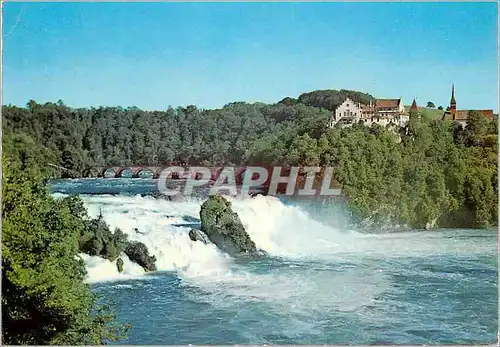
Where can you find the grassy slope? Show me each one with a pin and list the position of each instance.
(432, 113)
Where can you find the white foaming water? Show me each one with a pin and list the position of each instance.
(319, 277)
(103, 270)
(279, 229)
(289, 232)
(312, 279)
(158, 224)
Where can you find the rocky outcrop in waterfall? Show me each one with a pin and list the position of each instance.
(119, 265)
(97, 239)
(196, 235)
(224, 228)
(138, 253)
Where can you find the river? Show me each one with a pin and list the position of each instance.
(322, 283)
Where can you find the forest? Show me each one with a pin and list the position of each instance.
(431, 173)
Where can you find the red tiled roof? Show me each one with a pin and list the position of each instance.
(462, 115)
(367, 107)
(486, 113)
(387, 103)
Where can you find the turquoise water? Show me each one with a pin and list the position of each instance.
(322, 283)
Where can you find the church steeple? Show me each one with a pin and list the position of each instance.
(453, 102)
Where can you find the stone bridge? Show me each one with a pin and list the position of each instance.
(155, 172)
(119, 171)
(134, 171)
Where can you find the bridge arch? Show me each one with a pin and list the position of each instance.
(119, 172)
(173, 175)
(157, 172)
(104, 172)
(90, 173)
(137, 173)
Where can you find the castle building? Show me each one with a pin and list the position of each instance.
(385, 112)
(461, 116)
(389, 107)
(349, 111)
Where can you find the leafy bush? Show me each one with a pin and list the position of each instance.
(44, 297)
(97, 239)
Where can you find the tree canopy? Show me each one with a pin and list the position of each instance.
(44, 298)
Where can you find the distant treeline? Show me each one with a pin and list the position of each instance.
(123, 136)
(431, 173)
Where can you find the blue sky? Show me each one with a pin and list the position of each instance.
(152, 55)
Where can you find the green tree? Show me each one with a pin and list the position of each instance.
(44, 297)
(477, 127)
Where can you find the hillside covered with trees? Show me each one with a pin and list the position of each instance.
(433, 173)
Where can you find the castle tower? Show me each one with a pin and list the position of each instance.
(414, 106)
(453, 102)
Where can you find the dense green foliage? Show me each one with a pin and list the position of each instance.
(434, 174)
(431, 173)
(113, 135)
(44, 298)
(97, 239)
(329, 99)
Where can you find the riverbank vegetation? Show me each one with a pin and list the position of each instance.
(44, 297)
